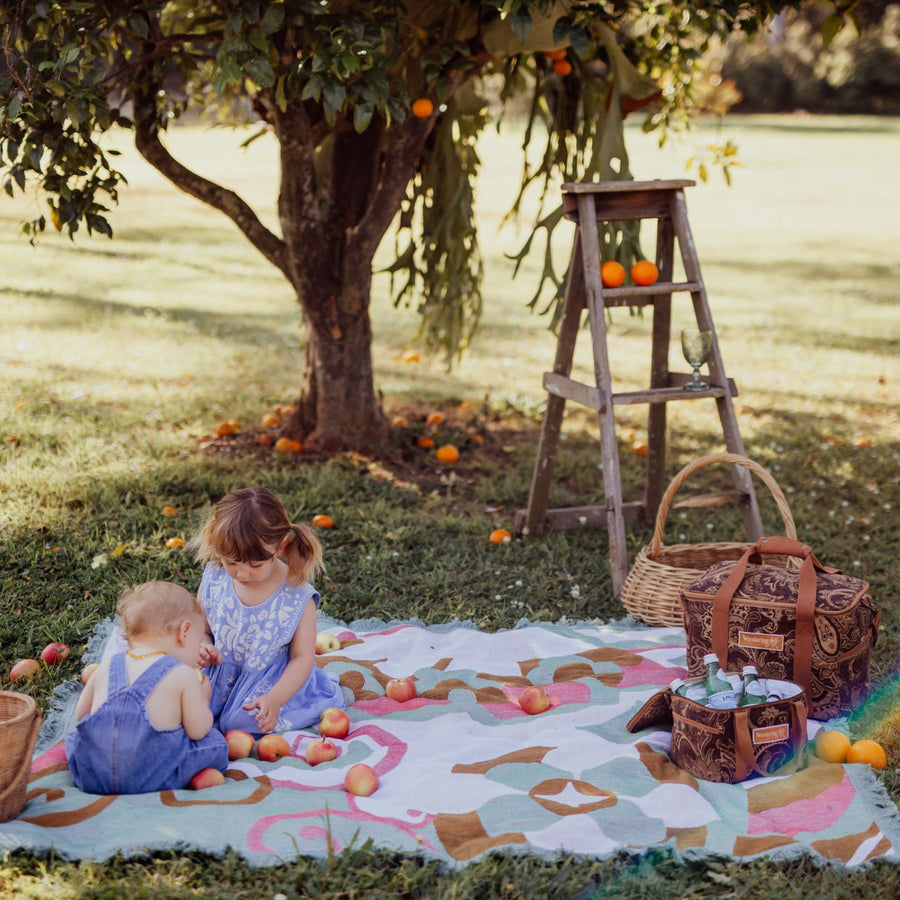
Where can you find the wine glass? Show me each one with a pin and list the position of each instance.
(697, 347)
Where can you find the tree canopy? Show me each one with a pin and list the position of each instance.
(376, 107)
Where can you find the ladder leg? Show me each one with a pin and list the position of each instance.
(532, 522)
(654, 485)
(724, 405)
(612, 483)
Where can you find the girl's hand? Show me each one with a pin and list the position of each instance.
(209, 656)
(269, 710)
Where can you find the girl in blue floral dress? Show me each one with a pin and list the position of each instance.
(261, 609)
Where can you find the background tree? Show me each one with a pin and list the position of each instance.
(375, 106)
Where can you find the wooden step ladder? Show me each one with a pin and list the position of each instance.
(588, 204)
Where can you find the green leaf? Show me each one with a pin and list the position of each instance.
(14, 105)
(272, 19)
(520, 21)
(312, 90)
(335, 94)
(561, 29)
(362, 115)
(260, 70)
(830, 27)
(139, 24)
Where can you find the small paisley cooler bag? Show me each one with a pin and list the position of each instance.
(813, 626)
(731, 745)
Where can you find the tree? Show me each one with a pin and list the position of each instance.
(375, 106)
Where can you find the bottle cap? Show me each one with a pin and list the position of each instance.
(750, 670)
(710, 657)
(677, 683)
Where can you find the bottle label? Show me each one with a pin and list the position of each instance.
(723, 700)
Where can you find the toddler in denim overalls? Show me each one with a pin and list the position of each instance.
(144, 722)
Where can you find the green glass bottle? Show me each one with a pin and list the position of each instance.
(753, 689)
(719, 692)
(678, 687)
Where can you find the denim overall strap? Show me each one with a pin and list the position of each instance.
(143, 685)
(117, 679)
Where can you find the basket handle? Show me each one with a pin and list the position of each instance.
(736, 459)
(29, 743)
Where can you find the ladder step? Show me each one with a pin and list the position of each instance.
(569, 518)
(644, 295)
(717, 499)
(562, 386)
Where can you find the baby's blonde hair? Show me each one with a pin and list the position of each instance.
(156, 607)
(248, 523)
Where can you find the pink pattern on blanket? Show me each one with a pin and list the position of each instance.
(384, 706)
(647, 672)
(810, 814)
(52, 757)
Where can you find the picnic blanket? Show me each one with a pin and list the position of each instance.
(465, 771)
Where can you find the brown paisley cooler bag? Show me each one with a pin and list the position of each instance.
(813, 626)
(731, 745)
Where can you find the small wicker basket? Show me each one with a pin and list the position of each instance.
(652, 589)
(20, 721)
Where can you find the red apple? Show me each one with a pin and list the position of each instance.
(334, 723)
(240, 743)
(320, 750)
(534, 700)
(24, 669)
(326, 642)
(271, 747)
(361, 780)
(400, 689)
(206, 778)
(89, 670)
(54, 653)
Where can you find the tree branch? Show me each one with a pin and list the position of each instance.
(226, 201)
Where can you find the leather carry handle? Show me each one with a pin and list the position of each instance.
(806, 603)
(745, 758)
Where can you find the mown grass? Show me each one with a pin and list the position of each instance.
(118, 357)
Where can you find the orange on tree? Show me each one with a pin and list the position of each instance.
(555, 54)
(500, 536)
(643, 272)
(869, 752)
(832, 746)
(612, 273)
(320, 520)
(447, 454)
(422, 108)
(562, 67)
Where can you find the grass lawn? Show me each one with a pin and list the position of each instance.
(118, 358)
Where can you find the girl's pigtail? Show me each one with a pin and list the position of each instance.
(303, 554)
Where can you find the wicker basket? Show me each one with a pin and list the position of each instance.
(652, 588)
(20, 721)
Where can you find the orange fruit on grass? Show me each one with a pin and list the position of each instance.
(639, 448)
(500, 536)
(612, 273)
(265, 439)
(434, 419)
(270, 420)
(223, 429)
(322, 521)
(644, 272)
(399, 422)
(422, 108)
(869, 752)
(425, 442)
(562, 67)
(411, 356)
(832, 746)
(476, 439)
(175, 542)
(284, 445)
(447, 454)
(169, 511)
